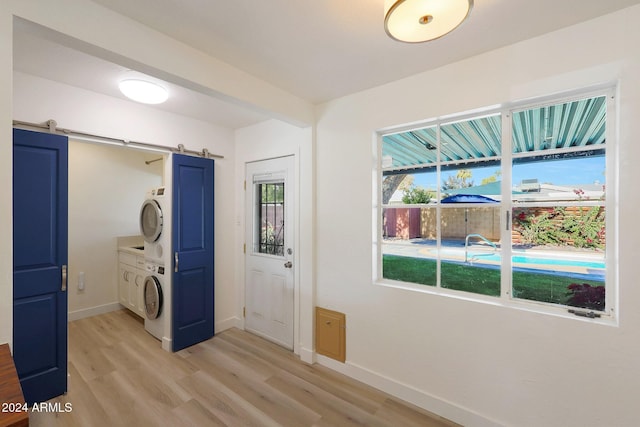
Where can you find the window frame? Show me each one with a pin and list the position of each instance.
(506, 112)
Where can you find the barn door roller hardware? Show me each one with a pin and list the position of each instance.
(52, 126)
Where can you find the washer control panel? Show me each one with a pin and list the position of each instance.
(154, 268)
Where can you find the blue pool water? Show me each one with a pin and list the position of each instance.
(528, 260)
(555, 261)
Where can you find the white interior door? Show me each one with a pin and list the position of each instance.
(269, 260)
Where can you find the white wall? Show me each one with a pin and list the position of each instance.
(268, 140)
(476, 363)
(38, 100)
(107, 185)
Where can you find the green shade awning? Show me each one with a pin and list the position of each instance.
(536, 130)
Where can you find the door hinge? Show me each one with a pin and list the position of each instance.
(244, 311)
(244, 248)
(245, 184)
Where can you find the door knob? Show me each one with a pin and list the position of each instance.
(288, 264)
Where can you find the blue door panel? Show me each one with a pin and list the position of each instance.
(35, 229)
(40, 199)
(36, 352)
(192, 206)
(193, 284)
(194, 296)
(36, 281)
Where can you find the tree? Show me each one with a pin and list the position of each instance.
(492, 178)
(461, 180)
(390, 184)
(272, 193)
(406, 183)
(416, 195)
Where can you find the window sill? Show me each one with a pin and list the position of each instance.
(605, 319)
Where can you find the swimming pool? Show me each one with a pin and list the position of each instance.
(555, 261)
(568, 262)
(532, 260)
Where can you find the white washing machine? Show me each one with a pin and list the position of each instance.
(155, 227)
(154, 224)
(154, 299)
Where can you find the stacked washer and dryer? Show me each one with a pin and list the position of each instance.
(154, 226)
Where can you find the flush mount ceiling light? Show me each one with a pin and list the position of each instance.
(415, 21)
(143, 91)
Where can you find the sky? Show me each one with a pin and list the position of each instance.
(570, 172)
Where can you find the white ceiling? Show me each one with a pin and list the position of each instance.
(317, 50)
(36, 54)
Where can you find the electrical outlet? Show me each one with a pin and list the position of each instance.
(81, 281)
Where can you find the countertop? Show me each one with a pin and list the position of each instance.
(127, 244)
(131, 250)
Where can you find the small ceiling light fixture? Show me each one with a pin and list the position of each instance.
(143, 91)
(415, 21)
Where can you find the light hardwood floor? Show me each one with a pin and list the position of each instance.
(119, 376)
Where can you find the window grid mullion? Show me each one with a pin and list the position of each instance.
(506, 281)
(439, 208)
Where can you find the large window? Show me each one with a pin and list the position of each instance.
(509, 205)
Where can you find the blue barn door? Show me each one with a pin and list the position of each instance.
(40, 164)
(192, 299)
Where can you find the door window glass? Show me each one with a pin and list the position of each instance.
(270, 214)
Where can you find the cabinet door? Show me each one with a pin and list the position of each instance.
(133, 294)
(330, 334)
(123, 285)
(139, 285)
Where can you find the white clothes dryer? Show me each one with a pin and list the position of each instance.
(154, 299)
(154, 224)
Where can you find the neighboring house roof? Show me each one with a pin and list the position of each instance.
(396, 197)
(565, 192)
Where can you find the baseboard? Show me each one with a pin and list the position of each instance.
(93, 311)
(410, 394)
(231, 322)
(307, 356)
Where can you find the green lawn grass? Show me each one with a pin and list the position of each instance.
(481, 280)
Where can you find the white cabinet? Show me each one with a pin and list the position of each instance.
(124, 279)
(131, 275)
